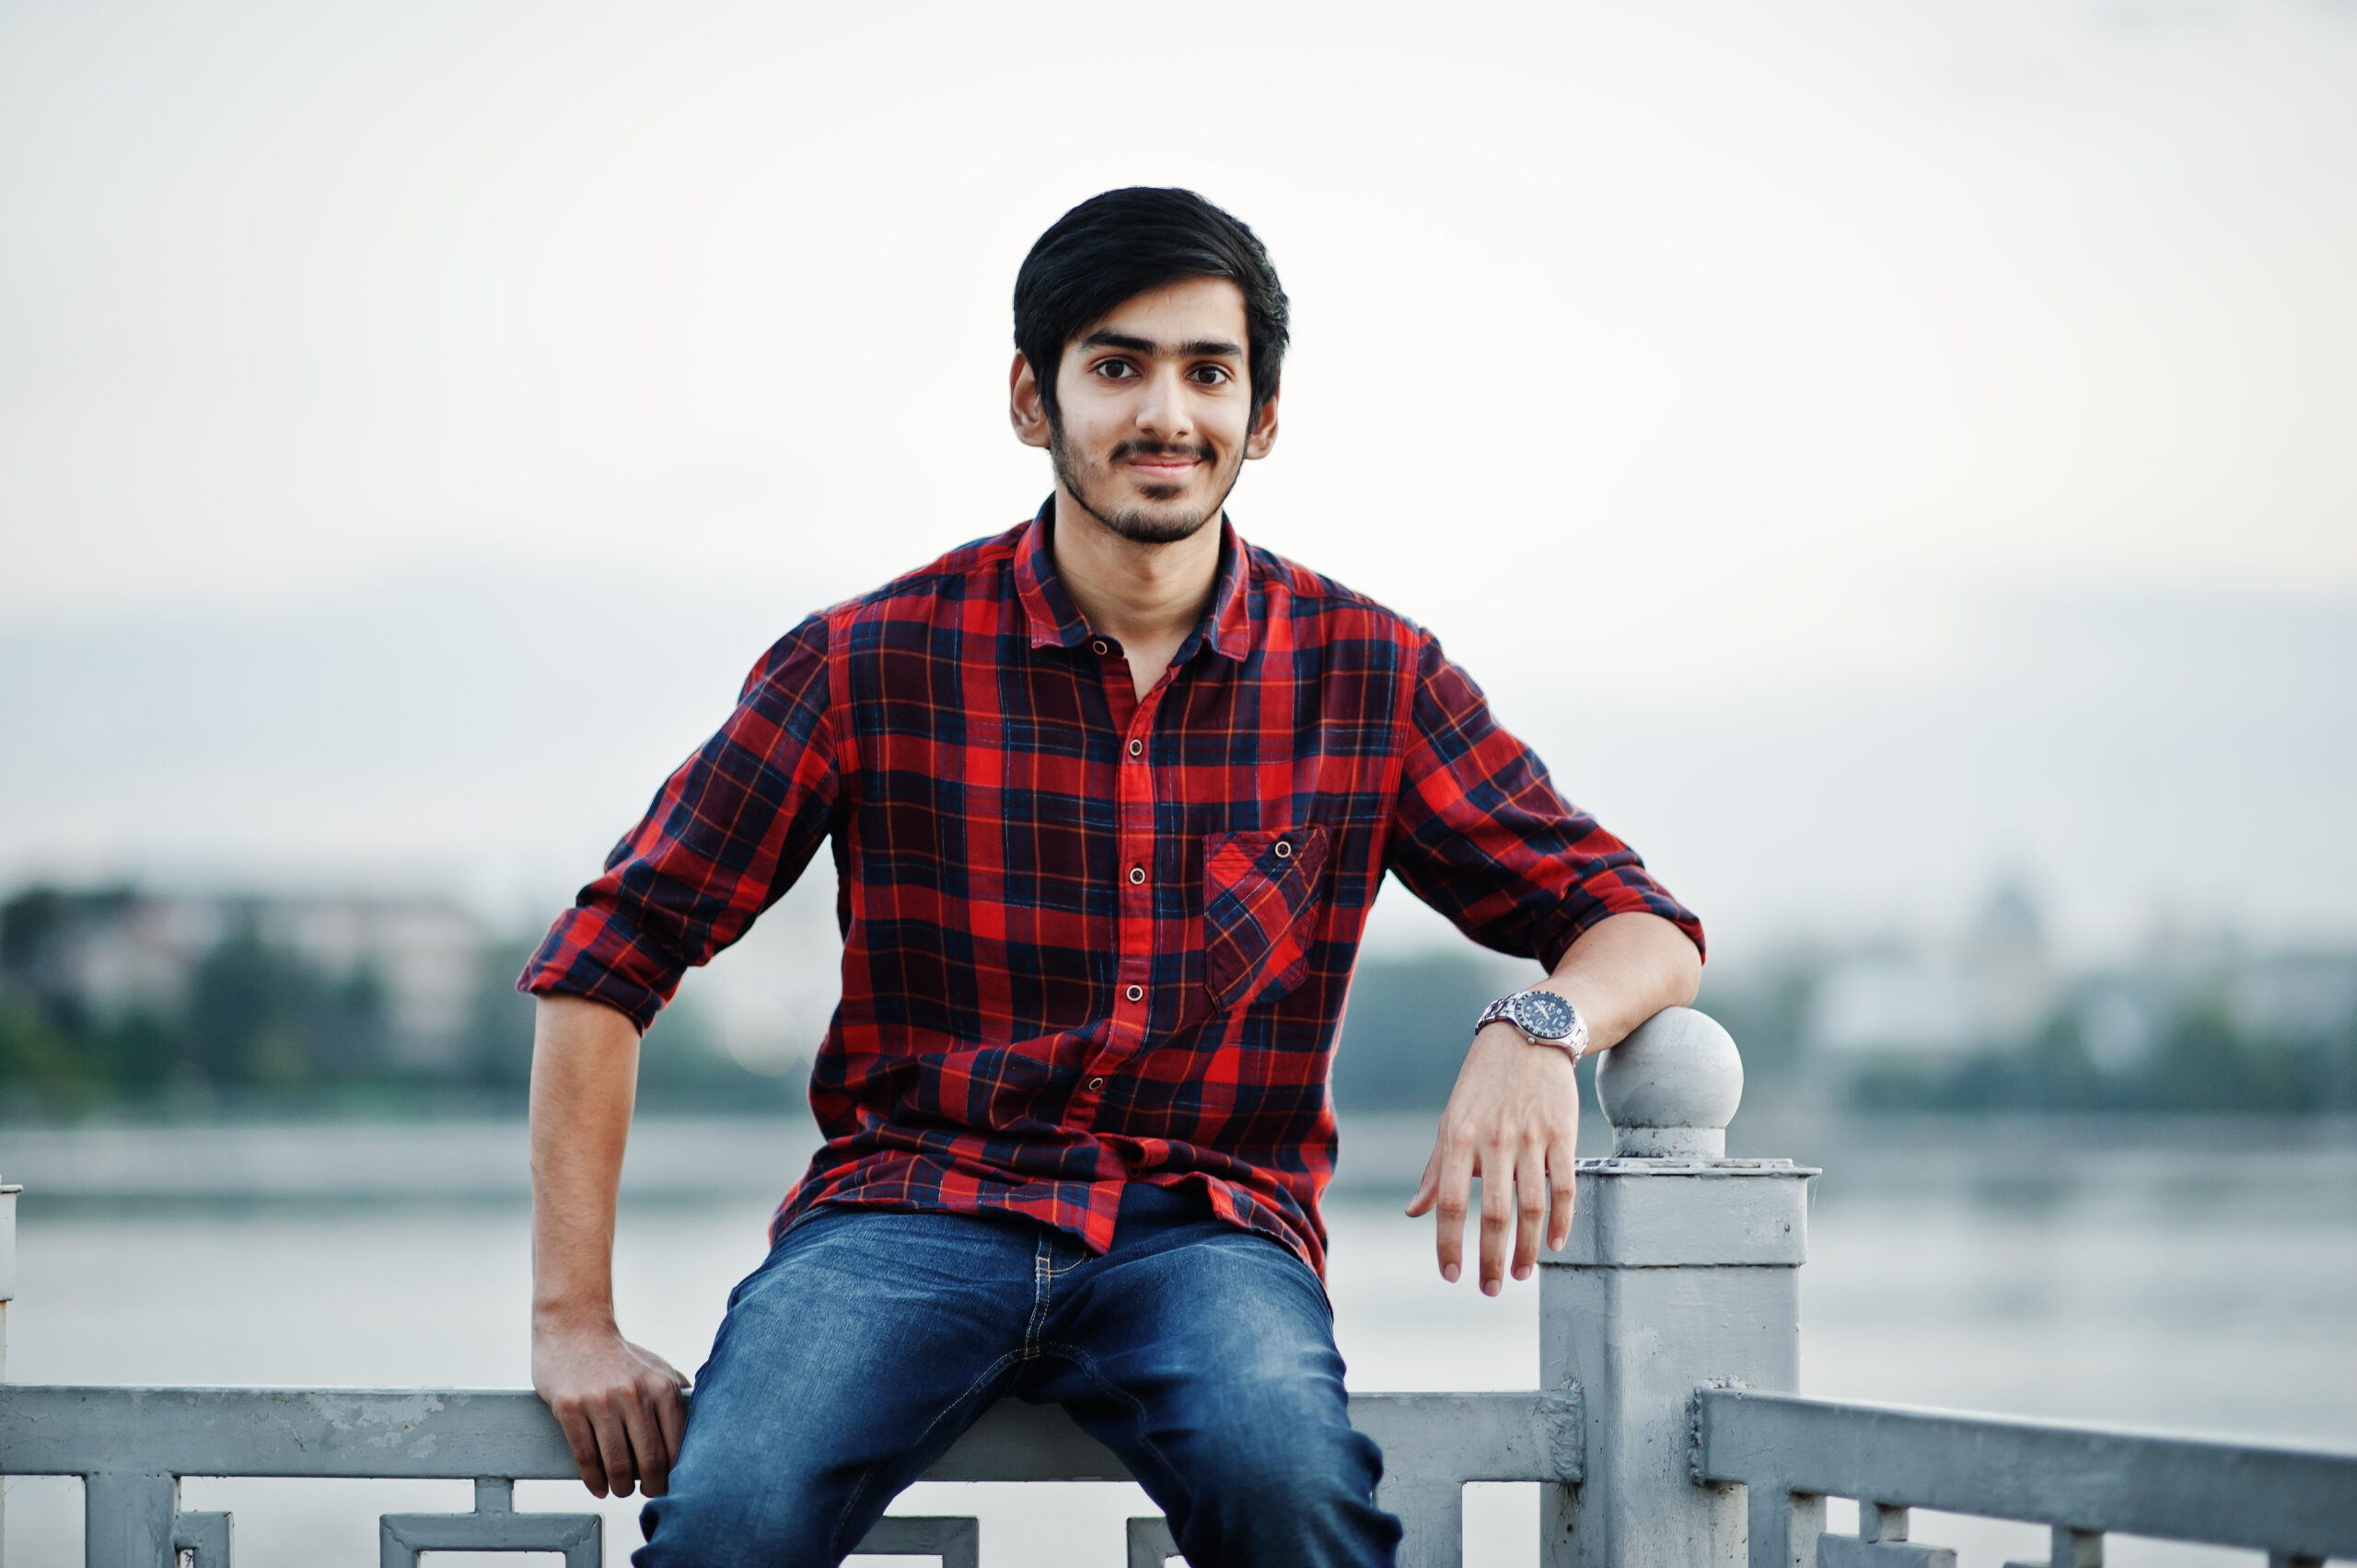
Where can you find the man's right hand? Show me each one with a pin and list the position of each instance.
(618, 1404)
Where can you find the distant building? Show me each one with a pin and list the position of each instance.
(107, 954)
(1994, 988)
(2305, 997)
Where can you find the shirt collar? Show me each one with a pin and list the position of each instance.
(1055, 620)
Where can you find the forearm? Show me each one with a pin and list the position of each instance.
(1622, 970)
(585, 1079)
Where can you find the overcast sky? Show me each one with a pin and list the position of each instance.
(1755, 398)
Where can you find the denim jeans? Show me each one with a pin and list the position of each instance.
(1202, 1354)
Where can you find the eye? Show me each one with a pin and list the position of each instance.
(1115, 369)
(1213, 375)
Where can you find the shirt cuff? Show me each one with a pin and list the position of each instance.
(597, 954)
(1590, 903)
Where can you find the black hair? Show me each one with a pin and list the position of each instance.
(1118, 245)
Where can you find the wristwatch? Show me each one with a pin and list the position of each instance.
(1544, 1019)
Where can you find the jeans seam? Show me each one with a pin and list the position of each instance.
(1087, 1365)
(1043, 1276)
(868, 1474)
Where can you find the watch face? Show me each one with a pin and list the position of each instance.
(1543, 1015)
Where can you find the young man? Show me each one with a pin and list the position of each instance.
(1108, 797)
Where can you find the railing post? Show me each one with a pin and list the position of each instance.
(127, 1519)
(1682, 1269)
(7, 1293)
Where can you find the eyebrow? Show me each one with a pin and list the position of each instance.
(1201, 348)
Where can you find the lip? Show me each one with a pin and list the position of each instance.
(1162, 469)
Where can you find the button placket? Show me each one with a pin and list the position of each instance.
(1134, 799)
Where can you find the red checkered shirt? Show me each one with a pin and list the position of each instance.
(1090, 939)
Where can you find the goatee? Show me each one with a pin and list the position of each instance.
(1132, 523)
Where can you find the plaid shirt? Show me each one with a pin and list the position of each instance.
(1090, 939)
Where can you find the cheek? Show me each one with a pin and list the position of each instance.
(1226, 428)
(1092, 425)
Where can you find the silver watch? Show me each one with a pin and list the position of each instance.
(1544, 1019)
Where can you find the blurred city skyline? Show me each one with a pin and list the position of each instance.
(1931, 423)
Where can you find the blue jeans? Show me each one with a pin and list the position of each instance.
(1201, 1353)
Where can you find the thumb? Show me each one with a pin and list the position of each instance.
(1427, 1186)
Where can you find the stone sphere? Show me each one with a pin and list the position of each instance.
(1671, 1087)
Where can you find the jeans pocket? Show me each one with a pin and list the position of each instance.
(1259, 904)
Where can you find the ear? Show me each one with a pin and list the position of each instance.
(1026, 409)
(1263, 434)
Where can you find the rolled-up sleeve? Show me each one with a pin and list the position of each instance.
(725, 837)
(1481, 834)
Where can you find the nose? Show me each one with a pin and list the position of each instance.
(1165, 410)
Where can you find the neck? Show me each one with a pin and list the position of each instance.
(1145, 596)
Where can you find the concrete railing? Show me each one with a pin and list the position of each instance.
(1665, 1427)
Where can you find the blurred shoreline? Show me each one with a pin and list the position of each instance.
(698, 1159)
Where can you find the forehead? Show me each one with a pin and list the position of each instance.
(1195, 310)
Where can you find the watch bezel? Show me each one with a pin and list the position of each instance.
(1523, 1003)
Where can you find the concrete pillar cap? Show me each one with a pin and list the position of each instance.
(1671, 1087)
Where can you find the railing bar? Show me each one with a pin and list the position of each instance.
(471, 1434)
(2183, 1489)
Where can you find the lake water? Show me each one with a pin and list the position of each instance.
(2198, 1276)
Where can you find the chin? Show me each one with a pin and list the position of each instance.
(1158, 525)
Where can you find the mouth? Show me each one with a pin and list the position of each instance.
(1161, 467)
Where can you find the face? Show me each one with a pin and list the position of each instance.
(1155, 411)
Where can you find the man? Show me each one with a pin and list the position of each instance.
(1108, 797)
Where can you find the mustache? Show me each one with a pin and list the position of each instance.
(1197, 452)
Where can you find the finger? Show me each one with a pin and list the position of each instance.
(1427, 1185)
(613, 1444)
(652, 1458)
(1449, 1205)
(584, 1444)
(1497, 1216)
(671, 1415)
(1529, 1207)
(1562, 1191)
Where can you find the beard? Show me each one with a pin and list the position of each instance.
(1093, 486)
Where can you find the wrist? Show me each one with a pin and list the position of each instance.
(565, 1318)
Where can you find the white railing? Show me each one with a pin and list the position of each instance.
(1663, 1427)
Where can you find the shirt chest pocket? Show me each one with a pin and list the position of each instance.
(1259, 911)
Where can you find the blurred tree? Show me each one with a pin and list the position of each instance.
(2205, 1062)
(41, 1071)
(1408, 1023)
(263, 1016)
(498, 1054)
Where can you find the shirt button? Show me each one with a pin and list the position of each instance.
(1135, 994)
(1095, 1085)
(1098, 647)
(1137, 875)
(1284, 850)
(1137, 748)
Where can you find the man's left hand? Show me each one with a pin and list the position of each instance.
(1514, 1120)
